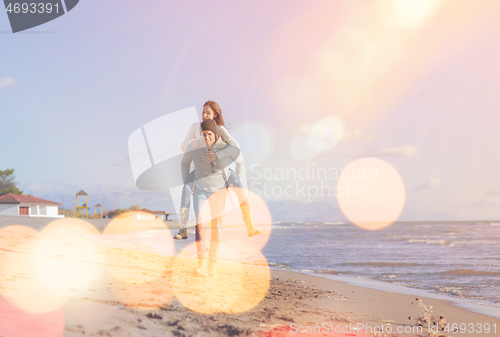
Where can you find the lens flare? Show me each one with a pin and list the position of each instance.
(297, 98)
(71, 260)
(41, 273)
(133, 260)
(21, 268)
(225, 203)
(362, 70)
(145, 296)
(135, 267)
(130, 222)
(15, 240)
(412, 14)
(12, 238)
(371, 193)
(315, 139)
(236, 288)
(22, 287)
(256, 142)
(139, 215)
(16, 323)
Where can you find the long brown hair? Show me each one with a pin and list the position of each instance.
(216, 108)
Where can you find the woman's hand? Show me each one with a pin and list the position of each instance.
(208, 158)
(194, 143)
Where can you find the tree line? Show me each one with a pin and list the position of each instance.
(8, 183)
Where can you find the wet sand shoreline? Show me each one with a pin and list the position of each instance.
(293, 303)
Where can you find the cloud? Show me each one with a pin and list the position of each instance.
(494, 193)
(356, 134)
(429, 185)
(7, 82)
(59, 187)
(399, 151)
(488, 199)
(350, 135)
(492, 197)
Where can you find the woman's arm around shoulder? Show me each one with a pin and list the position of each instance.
(193, 134)
(239, 162)
(224, 134)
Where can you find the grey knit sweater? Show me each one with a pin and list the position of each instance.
(213, 176)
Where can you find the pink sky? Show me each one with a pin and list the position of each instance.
(414, 83)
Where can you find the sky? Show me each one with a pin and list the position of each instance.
(302, 85)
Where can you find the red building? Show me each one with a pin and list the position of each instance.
(27, 205)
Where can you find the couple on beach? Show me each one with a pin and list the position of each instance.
(211, 149)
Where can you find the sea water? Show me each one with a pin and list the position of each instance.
(457, 259)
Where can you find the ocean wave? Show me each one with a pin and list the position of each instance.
(388, 276)
(383, 264)
(333, 272)
(474, 242)
(297, 226)
(468, 272)
(282, 227)
(450, 290)
(415, 255)
(432, 242)
(280, 266)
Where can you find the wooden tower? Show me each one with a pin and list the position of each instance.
(98, 215)
(80, 210)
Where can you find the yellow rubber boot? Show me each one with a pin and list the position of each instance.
(201, 270)
(247, 219)
(212, 272)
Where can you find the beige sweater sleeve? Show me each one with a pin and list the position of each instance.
(239, 162)
(193, 133)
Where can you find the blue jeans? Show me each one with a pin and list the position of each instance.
(204, 210)
(187, 190)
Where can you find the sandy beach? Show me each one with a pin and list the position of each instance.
(127, 292)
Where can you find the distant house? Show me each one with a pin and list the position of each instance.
(141, 214)
(27, 205)
(145, 214)
(159, 215)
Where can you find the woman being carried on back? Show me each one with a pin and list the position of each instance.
(212, 110)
